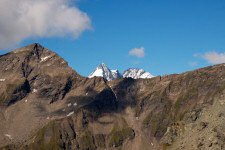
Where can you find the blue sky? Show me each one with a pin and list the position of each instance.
(176, 35)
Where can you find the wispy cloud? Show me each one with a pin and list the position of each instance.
(138, 52)
(196, 55)
(22, 19)
(192, 64)
(214, 57)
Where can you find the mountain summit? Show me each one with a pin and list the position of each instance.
(103, 71)
(136, 74)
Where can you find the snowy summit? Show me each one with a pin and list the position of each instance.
(103, 71)
(136, 74)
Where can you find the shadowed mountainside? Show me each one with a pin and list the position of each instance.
(45, 104)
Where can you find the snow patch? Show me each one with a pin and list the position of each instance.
(45, 58)
(34, 91)
(2, 80)
(113, 93)
(97, 73)
(20, 50)
(69, 104)
(75, 104)
(69, 114)
(9, 136)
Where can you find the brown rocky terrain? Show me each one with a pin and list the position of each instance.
(45, 104)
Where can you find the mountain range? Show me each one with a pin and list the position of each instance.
(103, 71)
(46, 105)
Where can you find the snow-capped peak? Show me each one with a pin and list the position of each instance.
(103, 71)
(136, 74)
(116, 74)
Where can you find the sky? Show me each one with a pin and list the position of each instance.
(159, 36)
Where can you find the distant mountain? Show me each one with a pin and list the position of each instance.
(136, 74)
(103, 71)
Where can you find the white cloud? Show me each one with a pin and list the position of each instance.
(214, 57)
(139, 52)
(22, 19)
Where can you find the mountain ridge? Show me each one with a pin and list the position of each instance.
(103, 71)
(45, 104)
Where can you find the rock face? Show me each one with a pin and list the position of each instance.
(116, 74)
(35, 69)
(37, 85)
(44, 104)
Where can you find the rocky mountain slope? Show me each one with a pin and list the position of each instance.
(44, 104)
